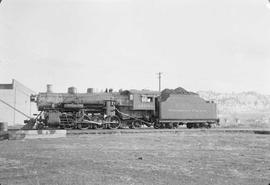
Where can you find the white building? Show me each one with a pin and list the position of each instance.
(15, 103)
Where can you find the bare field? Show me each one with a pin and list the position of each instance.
(142, 158)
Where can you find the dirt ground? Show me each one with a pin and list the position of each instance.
(150, 158)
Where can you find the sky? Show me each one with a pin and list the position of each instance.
(222, 46)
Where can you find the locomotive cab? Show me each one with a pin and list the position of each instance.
(143, 100)
(136, 108)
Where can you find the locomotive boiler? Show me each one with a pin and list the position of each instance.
(123, 109)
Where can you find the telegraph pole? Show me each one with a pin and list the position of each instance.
(159, 81)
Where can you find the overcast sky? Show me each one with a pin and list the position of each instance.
(214, 45)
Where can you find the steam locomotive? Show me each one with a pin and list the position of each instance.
(123, 109)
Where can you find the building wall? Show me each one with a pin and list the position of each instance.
(18, 96)
(6, 113)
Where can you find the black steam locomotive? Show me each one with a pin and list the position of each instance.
(123, 109)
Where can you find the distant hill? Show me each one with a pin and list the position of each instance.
(237, 107)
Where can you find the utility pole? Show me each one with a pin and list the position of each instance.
(159, 81)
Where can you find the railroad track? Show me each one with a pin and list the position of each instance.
(179, 130)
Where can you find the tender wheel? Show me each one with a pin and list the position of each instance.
(200, 125)
(113, 122)
(189, 125)
(175, 125)
(136, 124)
(197, 125)
(169, 125)
(157, 125)
(208, 125)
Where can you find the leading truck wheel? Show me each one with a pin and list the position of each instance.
(113, 122)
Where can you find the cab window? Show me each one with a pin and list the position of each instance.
(147, 99)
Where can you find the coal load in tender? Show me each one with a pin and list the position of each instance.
(166, 93)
